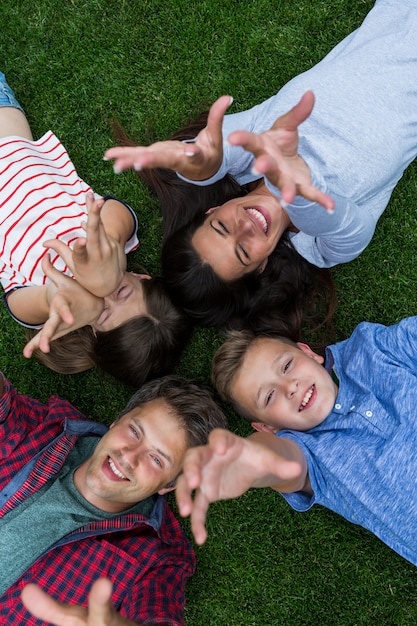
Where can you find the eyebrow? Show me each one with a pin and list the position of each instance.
(161, 452)
(236, 250)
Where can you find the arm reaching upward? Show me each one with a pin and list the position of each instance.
(276, 155)
(98, 260)
(229, 465)
(196, 161)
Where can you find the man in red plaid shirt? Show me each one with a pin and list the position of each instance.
(79, 502)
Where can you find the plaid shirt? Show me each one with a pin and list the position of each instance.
(148, 560)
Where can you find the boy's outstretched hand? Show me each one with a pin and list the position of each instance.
(227, 467)
(100, 611)
(97, 261)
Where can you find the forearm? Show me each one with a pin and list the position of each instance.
(291, 470)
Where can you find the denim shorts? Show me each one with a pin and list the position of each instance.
(7, 97)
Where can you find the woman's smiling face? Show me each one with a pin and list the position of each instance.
(237, 237)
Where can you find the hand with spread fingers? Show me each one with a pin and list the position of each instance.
(70, 307)
(276, 155)
(230, 465)
(198, 160)
(100, 611)
(97, 261)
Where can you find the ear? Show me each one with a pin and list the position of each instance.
(264, 428)
(262, 266)
(142, 276)
(214, 208)
(165, 490)
(309, 352)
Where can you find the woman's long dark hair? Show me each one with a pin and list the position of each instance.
(288, 294)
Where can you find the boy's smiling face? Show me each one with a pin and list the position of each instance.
(284, 386)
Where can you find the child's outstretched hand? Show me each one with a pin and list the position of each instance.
(97, 260)
(226, 468)
(276, 155)
(70, 307)
(196, 161)
(100, 611)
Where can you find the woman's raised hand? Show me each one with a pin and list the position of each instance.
(198, 160)
(70, 307)
(277, 158)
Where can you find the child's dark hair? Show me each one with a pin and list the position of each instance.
(144, 347)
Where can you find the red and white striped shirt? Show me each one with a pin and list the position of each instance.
(41, 197)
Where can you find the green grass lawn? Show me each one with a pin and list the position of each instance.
(74, 64)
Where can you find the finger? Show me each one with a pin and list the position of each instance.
(183, 496)
(167, 154)
(198, 518)
(45, 608)
(315, 195)
(62, 250)
(281, 177)
(44, 337)
(216, 116)
(100, 608)
(298, 114)
(31, 346)
(94, 213)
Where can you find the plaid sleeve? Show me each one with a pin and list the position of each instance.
(160, 597)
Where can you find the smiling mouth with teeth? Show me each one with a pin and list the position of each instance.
(115, 470)
(259, 218)
(306, 398)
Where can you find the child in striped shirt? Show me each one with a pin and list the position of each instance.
(90, 309)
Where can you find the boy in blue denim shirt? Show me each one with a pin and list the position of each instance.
(343, 435)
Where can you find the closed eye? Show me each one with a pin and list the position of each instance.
(245, 254)
(268, 398)
(287, 365)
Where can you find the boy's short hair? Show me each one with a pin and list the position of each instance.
(229, 359)
(191, 402)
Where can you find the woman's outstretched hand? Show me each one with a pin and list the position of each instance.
(70, 307)
(97, 261)
(100, 611)
(198, 160)
(276, 155)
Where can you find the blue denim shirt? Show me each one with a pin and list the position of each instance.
(362, 459)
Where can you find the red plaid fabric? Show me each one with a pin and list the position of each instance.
(147, 559)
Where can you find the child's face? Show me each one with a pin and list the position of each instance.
(284, 386)
(123, 304)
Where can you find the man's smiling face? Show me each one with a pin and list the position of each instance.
(283, 385)
(141, 453)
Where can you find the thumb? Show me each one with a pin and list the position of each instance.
(216, 115)
(100, 608)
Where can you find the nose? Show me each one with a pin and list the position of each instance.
(291, 387)
(132, 455)
(244, 226)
